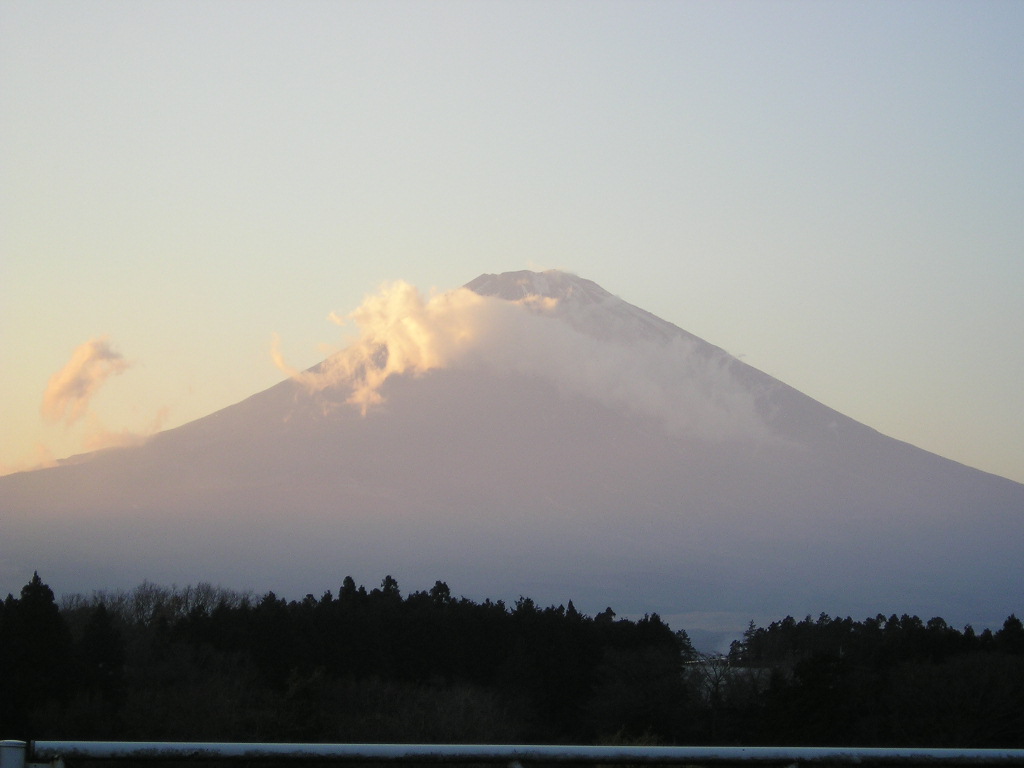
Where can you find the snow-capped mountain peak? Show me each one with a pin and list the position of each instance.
(552, 283)
(583, 304)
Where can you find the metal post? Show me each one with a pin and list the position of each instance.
(12, 754)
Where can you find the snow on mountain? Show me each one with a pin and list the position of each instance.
(581, 303)
(533, 434)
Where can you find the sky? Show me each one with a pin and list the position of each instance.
(831, 191)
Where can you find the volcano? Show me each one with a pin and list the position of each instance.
(532, 434)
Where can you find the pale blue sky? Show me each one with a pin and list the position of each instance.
(833, 190)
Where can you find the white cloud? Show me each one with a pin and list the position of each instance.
(70, 390)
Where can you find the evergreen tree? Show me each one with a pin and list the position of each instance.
(37, 658)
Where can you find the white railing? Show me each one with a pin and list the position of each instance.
(33, 754)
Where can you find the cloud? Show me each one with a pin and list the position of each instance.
(41, 458)
(99, 438)
(661, 376)
(400, 332)
(68, 394)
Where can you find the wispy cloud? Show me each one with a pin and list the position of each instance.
(99, 437)
(41, 458)
(68, 397)
(71, 389)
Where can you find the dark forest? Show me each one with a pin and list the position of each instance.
(202, 663)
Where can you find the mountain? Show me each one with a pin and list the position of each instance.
(532, 434)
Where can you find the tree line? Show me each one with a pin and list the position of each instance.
(202, 663)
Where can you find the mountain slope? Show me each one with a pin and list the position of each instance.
(534, 435)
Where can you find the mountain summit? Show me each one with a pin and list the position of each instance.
(532, 434)
(582, 303)
(552, 284)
